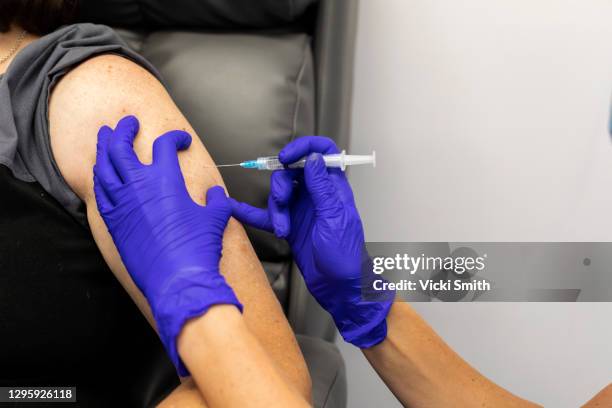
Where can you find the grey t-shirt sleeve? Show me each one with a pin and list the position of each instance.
(24, 101)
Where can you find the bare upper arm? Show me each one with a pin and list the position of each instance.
(100, 92)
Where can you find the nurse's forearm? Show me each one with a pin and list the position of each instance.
(229, 366)
(423, 371)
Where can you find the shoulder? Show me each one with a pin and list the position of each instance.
(103, 79)
(97, 92)
(98, 71)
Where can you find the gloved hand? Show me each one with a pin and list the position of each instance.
(170, 245)
(315, 211)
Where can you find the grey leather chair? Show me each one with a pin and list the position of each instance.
(250, 76)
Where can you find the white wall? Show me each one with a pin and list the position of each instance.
(490, 121)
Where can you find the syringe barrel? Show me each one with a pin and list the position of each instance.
(331, 160)
(338, 160)
(269, 163)
(341, 160)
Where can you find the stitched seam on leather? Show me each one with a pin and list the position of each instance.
(333, 384)
(298, 79)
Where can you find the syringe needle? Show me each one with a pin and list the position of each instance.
(222, 165)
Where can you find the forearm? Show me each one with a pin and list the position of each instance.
(422, 371)
(262, 314)
(186, 395)
(243, 374)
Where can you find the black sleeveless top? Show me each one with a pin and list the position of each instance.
(64, 318)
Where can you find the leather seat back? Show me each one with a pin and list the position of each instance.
(247, 93)
(200, 14)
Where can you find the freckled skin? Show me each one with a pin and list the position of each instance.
(100, 92)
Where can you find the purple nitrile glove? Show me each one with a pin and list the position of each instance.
(315, 211)
(170, 245)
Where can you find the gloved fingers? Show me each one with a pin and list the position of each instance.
(103, 169)
(166, 146)
(303, 146)
(253, 216)
(121, 150)
(345, 192)
(282, 186)
(322, 190)
(217, 201)
(215, 196)
(103, 200)
(280, 218)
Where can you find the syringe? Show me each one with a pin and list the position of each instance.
(338, 160)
